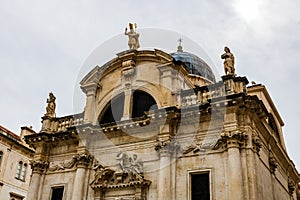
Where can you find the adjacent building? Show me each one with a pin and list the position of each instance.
(157, 125)
(15, 168)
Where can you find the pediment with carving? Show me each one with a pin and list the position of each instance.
(126, 181)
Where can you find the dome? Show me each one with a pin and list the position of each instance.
(195, 64)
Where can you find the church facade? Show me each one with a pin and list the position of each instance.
(157, 125)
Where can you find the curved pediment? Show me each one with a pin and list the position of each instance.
(97, 72)
(152, 72)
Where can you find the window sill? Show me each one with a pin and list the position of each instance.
(20, 179)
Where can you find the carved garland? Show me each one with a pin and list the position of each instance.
(78, 160)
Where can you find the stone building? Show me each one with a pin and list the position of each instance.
(14, 165)
(157, 125)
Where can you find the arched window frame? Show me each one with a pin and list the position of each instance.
(21, 171)
(107, 115)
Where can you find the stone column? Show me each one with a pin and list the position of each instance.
(164, 183)
(235, 182)
(127, 103)
(165, 150)
(128, 72)
(251, 166)
(33, 190)
(38, 167)
(79, 182)
(89, 113)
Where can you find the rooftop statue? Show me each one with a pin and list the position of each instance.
(228, 62)
(133, 37)
(50, 109)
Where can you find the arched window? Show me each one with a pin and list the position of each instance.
(142, 102)
(113, 111)
(21, 171)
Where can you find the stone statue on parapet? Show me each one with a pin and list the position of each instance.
(228, 62)
(50, 109)
(133, 37)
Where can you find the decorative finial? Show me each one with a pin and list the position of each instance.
(133, 37)
(179, 48)
(50, 109)
(228, 62)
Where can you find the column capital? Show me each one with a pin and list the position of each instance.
(166, 148)
(234, 139)
(83, 160)
(90, 89)
(39, 166)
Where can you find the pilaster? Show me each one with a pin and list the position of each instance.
(90, 91)
(165, 150)
(233, 142)
(83, 161)
(38, 168)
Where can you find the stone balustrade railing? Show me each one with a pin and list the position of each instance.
(62, 123)
(200, 95)
(69, 121)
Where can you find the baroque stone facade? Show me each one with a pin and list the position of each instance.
(151, 126)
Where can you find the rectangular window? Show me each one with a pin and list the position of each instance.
(200, 186)
(57, 193)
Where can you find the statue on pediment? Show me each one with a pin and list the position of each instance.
(228, 62)
(50, 109)
(133, 37)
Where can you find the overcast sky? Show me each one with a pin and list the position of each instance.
(44, 45)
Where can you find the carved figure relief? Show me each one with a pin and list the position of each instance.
(127, 179)
(129, 164)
